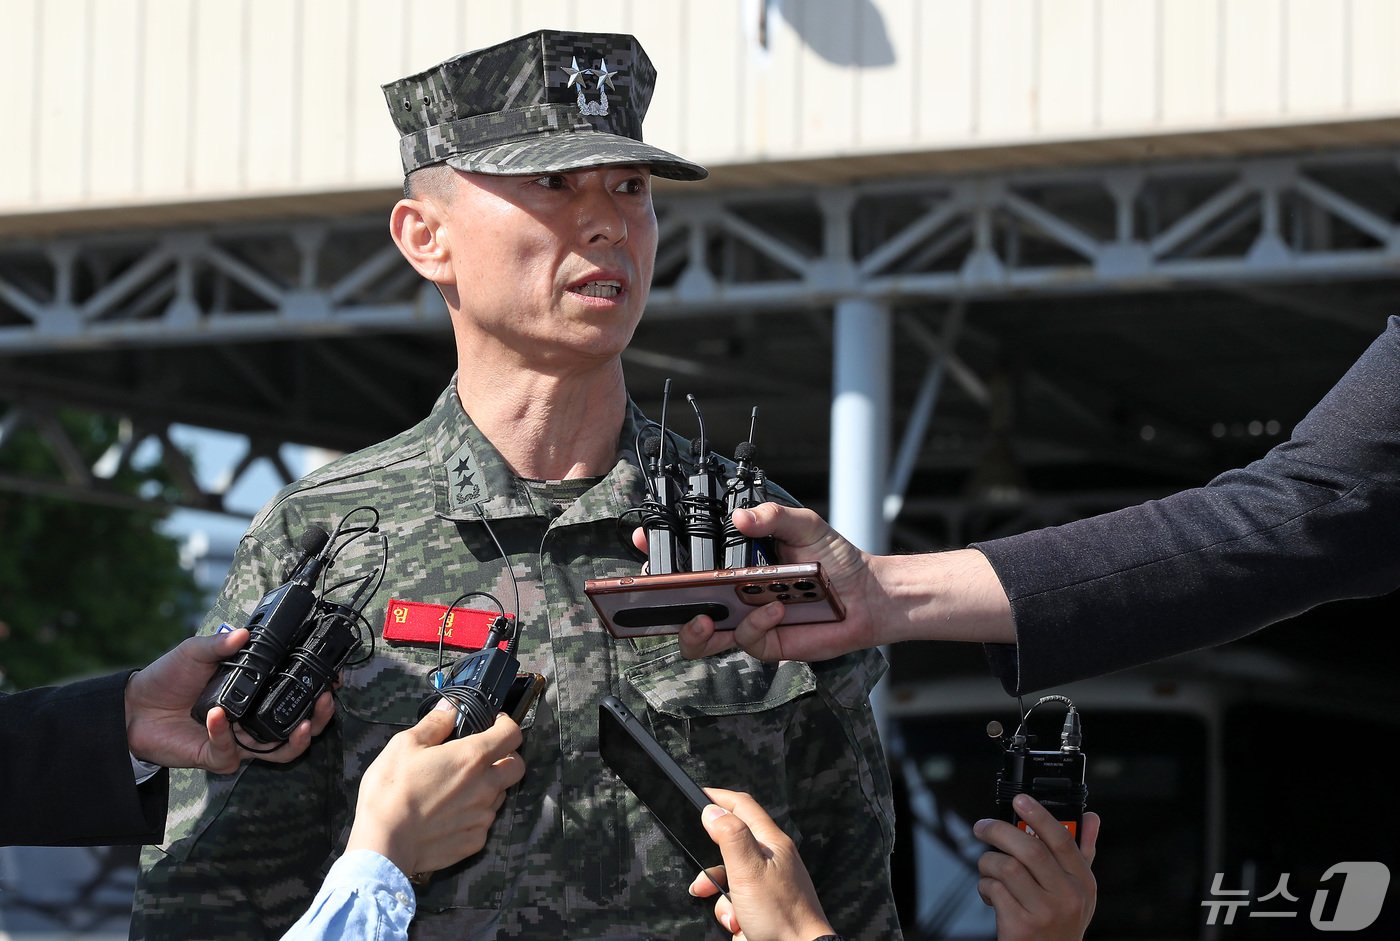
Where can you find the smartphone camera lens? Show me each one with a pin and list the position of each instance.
(785, 597)
(810, 595)
(804, 585)
(778, 587)
(752, 589)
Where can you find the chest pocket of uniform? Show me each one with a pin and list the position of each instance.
(726, 685)
(726, 719)
(772, 730)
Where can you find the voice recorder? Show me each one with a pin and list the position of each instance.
(1054, 778)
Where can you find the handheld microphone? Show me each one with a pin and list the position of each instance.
(314, 556)
(276, 625)
(326, 647)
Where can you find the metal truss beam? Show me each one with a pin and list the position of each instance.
(1244, 222)
(307, 317)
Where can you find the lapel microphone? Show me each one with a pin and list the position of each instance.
(744, 491)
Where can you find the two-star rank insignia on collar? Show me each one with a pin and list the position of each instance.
(462, 471)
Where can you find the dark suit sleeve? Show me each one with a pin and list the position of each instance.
(65, 770)
(1316, 519)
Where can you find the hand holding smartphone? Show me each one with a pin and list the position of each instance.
(672, 796)
(642, 605)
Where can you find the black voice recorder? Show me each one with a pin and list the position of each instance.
(1054, 778)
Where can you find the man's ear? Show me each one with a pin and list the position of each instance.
(416, 225)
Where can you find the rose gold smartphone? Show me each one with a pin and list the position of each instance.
(643, 605)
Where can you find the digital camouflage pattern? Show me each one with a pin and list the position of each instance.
(545, 102)
(572, 853)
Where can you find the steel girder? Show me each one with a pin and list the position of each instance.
(1248, 227)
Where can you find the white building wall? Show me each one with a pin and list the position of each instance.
(119, 102)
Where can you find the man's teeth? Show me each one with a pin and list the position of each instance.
(600, 289)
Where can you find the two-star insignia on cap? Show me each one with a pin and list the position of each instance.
(603, 80)
(602, 73)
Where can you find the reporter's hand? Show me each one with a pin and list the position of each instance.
(952, 595)
(426, 803)
(159, 728)
(1040, 885)
(771, 896)
(802, 536)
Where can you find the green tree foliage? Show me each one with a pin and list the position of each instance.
(84, 588)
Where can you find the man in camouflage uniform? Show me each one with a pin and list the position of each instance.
(528, 205)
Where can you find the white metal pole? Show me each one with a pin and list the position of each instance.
(860, 432)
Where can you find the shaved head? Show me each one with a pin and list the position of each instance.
(435, 182)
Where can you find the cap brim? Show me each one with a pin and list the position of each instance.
(560, 153)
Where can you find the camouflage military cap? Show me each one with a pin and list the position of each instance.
(546, 102)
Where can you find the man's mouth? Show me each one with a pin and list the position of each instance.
(604, 288)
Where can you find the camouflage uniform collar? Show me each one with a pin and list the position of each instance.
(471, 479)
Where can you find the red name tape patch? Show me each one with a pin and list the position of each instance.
(417, 622)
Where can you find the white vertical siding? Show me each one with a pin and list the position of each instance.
(60, 80)
(1126, 49)
(1066, 67)
(323, 133)
(1190, 75)
(1254, 59)
(113, 155)
(886, 101)
(942, 71)
(218, 146)
(1373, 55)
(19, 43)
(1005, 68)
(110, 102)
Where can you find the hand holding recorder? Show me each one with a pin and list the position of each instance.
(429, 799)
(1039, 883)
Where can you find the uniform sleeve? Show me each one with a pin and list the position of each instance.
(244, 852)
(1315, 520)
(66, 777)
(844, 809)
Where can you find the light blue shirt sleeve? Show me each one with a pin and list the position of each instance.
(364, 896)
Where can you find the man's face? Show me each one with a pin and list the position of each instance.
(554, 268)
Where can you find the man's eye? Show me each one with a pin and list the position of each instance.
(634, 186)
(553, 181)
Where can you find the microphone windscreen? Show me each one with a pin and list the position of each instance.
(744, 451)
(651, 447)
(314, 540)
(697, 447)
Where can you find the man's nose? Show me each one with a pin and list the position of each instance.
(601, 217)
